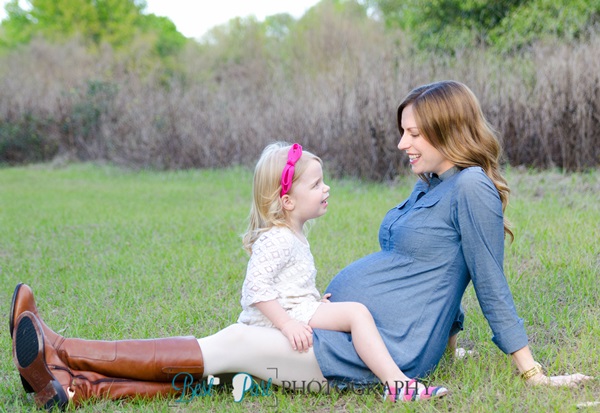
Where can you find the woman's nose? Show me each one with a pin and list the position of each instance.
(403, 144)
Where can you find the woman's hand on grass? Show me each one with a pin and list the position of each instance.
(569, 380)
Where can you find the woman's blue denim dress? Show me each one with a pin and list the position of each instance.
(444, 235)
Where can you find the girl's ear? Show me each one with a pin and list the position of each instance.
(287, 202)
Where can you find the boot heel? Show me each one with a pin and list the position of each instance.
(52, 396)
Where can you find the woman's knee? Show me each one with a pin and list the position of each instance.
(237, 334)
(227, 338)
(243, 336)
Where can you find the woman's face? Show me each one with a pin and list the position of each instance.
(423, 157)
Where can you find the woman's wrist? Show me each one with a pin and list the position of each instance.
(532, 372)
(535, 375)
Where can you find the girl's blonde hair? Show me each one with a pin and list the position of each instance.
(449, 116)
(267, 209)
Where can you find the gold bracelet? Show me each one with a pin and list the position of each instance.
(526, 375)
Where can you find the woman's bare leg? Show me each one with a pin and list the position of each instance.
(452, 344)
(260, 351)
(454, 351)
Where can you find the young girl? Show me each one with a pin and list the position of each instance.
(279, 289)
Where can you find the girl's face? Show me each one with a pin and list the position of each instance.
(308, 197)
(423, 157)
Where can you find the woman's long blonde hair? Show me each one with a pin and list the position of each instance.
(267, 209)
(449, 116)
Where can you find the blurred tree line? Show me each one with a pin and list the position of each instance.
(103, 80)
(96, 22)
(504, 25)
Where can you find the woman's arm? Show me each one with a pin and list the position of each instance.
(480, 221)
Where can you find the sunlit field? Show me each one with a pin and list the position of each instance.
(117, 254)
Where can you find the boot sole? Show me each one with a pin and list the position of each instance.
(11, 325)
(29, 357)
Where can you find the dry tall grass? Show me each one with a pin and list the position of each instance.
(337, 94)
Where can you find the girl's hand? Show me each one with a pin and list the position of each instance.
(325, 298)
(570, 380)
(298, 334)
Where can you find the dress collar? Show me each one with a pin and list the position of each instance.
(449, 173)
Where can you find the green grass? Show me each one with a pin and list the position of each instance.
(115, 254)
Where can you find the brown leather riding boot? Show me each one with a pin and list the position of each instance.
(56, 385)
(150, 360)
(158, 360)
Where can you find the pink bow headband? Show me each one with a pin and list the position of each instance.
(288, 170)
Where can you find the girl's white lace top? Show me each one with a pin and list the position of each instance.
(281, 267)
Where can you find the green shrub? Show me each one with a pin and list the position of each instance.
(22, 141)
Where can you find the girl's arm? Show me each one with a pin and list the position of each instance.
(298, 334)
